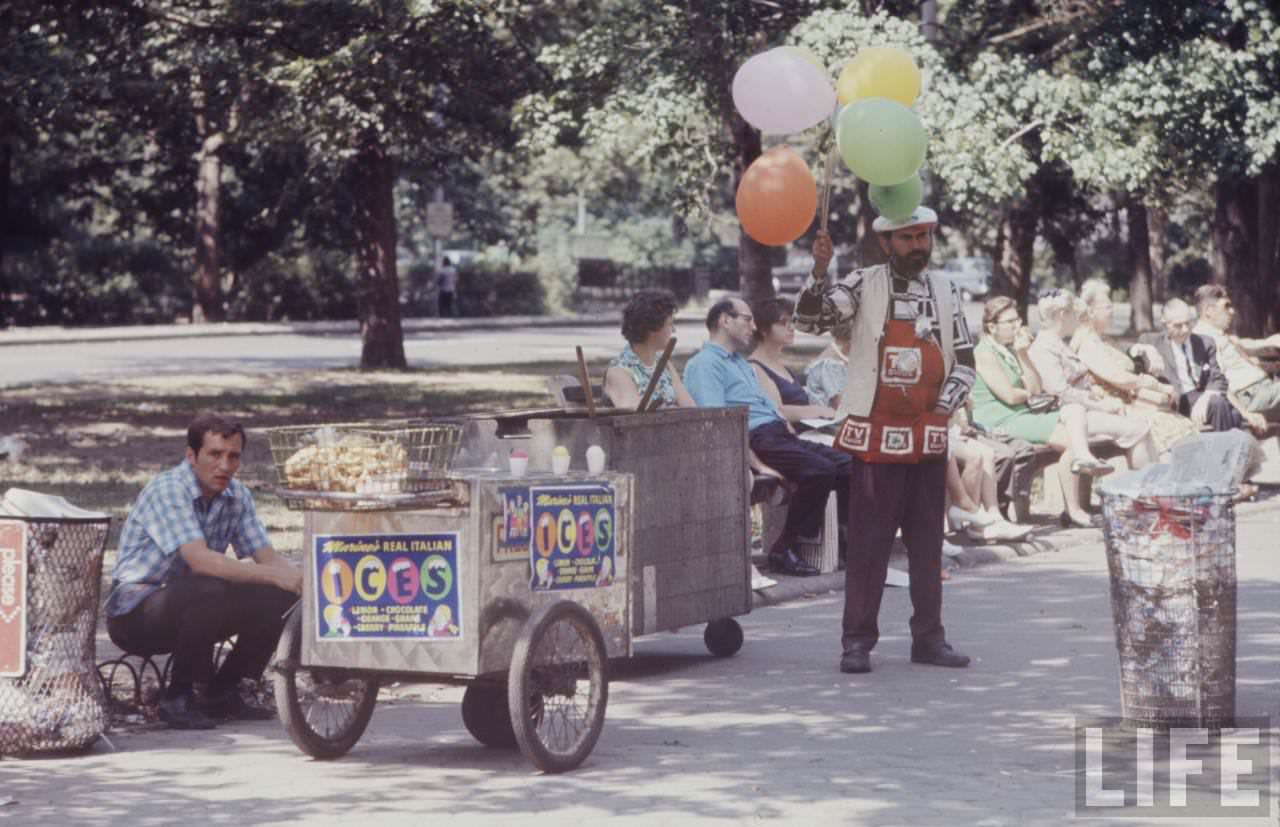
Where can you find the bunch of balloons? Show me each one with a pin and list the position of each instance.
(787, 90)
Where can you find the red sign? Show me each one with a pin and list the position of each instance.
(13, 598)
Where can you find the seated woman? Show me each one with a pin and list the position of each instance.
(1117, 376)
(1007, 380)
(1065, 376)
(825, 377)
(775, 331)
(648, 322)
(973, 500)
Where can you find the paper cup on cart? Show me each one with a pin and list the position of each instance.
(595, 459)
(560, 460)
(519, 463)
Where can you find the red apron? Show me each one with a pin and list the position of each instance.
(902, 425)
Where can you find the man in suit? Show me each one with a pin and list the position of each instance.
(1191, 367)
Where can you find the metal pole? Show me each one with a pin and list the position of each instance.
(437, 256)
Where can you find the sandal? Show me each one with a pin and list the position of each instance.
(1091, 467)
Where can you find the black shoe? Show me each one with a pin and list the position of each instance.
(939, 654)
(231, 705)
(855, 661)
(787, 561)
(181, 713)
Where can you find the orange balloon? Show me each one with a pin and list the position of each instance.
(777, 197)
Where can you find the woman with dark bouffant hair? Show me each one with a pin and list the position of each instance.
(648, 323)
(775, 331)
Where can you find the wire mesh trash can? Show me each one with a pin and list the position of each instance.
(1173, 598)
(51, 698)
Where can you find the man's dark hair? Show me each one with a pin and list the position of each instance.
(720, 308)
(646, 313)
(209, 422)
(1207, 294)
(770, 311)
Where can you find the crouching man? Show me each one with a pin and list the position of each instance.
(175, 590)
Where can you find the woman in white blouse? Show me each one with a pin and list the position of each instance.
(1063, 373)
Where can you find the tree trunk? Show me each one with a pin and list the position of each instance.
(377, 288)
(755, 264)
(1015, 252)
(1140, 318)
(1157, 246)
(205, 284)
(868, 250)
(1246, 258)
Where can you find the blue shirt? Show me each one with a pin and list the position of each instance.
(716, 378)
(169, 513)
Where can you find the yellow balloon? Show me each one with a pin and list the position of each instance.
(879, 72)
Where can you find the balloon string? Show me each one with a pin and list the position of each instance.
(826, 188)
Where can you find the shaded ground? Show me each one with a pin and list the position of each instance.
(98, 443)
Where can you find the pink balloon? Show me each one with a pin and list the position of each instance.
(779, 92)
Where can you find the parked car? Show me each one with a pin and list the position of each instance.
(972, 274)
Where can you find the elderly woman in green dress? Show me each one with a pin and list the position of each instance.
(1007, 381)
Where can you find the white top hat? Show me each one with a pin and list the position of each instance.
(920, 215)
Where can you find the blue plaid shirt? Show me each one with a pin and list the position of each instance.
(169, 513)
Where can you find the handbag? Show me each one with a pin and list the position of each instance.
(1043, 402)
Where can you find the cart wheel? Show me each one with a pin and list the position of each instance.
(487, 716)
(325, 711)
(723, 637)
(558, 687)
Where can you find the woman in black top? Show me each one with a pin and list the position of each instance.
(775, 331)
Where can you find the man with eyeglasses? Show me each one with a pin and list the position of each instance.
(1191, 367)
(719, 376)
(911, 365)
(1253, 389)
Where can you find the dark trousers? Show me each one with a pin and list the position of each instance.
(884, 497)
(1221, 416)
(815, 471)
(191, 614)
(446, 303)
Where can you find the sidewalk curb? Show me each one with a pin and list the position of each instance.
(793, 588)
(1047, 537)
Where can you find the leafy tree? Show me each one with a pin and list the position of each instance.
(1173, 97)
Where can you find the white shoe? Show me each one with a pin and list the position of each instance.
(961, 518)
(760, 581)
(950, 549)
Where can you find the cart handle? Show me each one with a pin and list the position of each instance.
(657, 374)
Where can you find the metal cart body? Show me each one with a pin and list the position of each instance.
(523, 587)
(487, 586)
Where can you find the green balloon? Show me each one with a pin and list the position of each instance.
(898, 201)
(882, 141)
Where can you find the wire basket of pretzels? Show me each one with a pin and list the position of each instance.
(363, 466)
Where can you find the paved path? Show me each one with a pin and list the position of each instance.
(775, 734)
(51, 355)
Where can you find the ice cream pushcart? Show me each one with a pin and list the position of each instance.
(521, 587)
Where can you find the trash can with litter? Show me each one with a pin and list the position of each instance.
(1170, 538)
(51, 698)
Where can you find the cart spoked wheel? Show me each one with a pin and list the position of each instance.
(723, 637)
(324, 710)
(558, 687)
